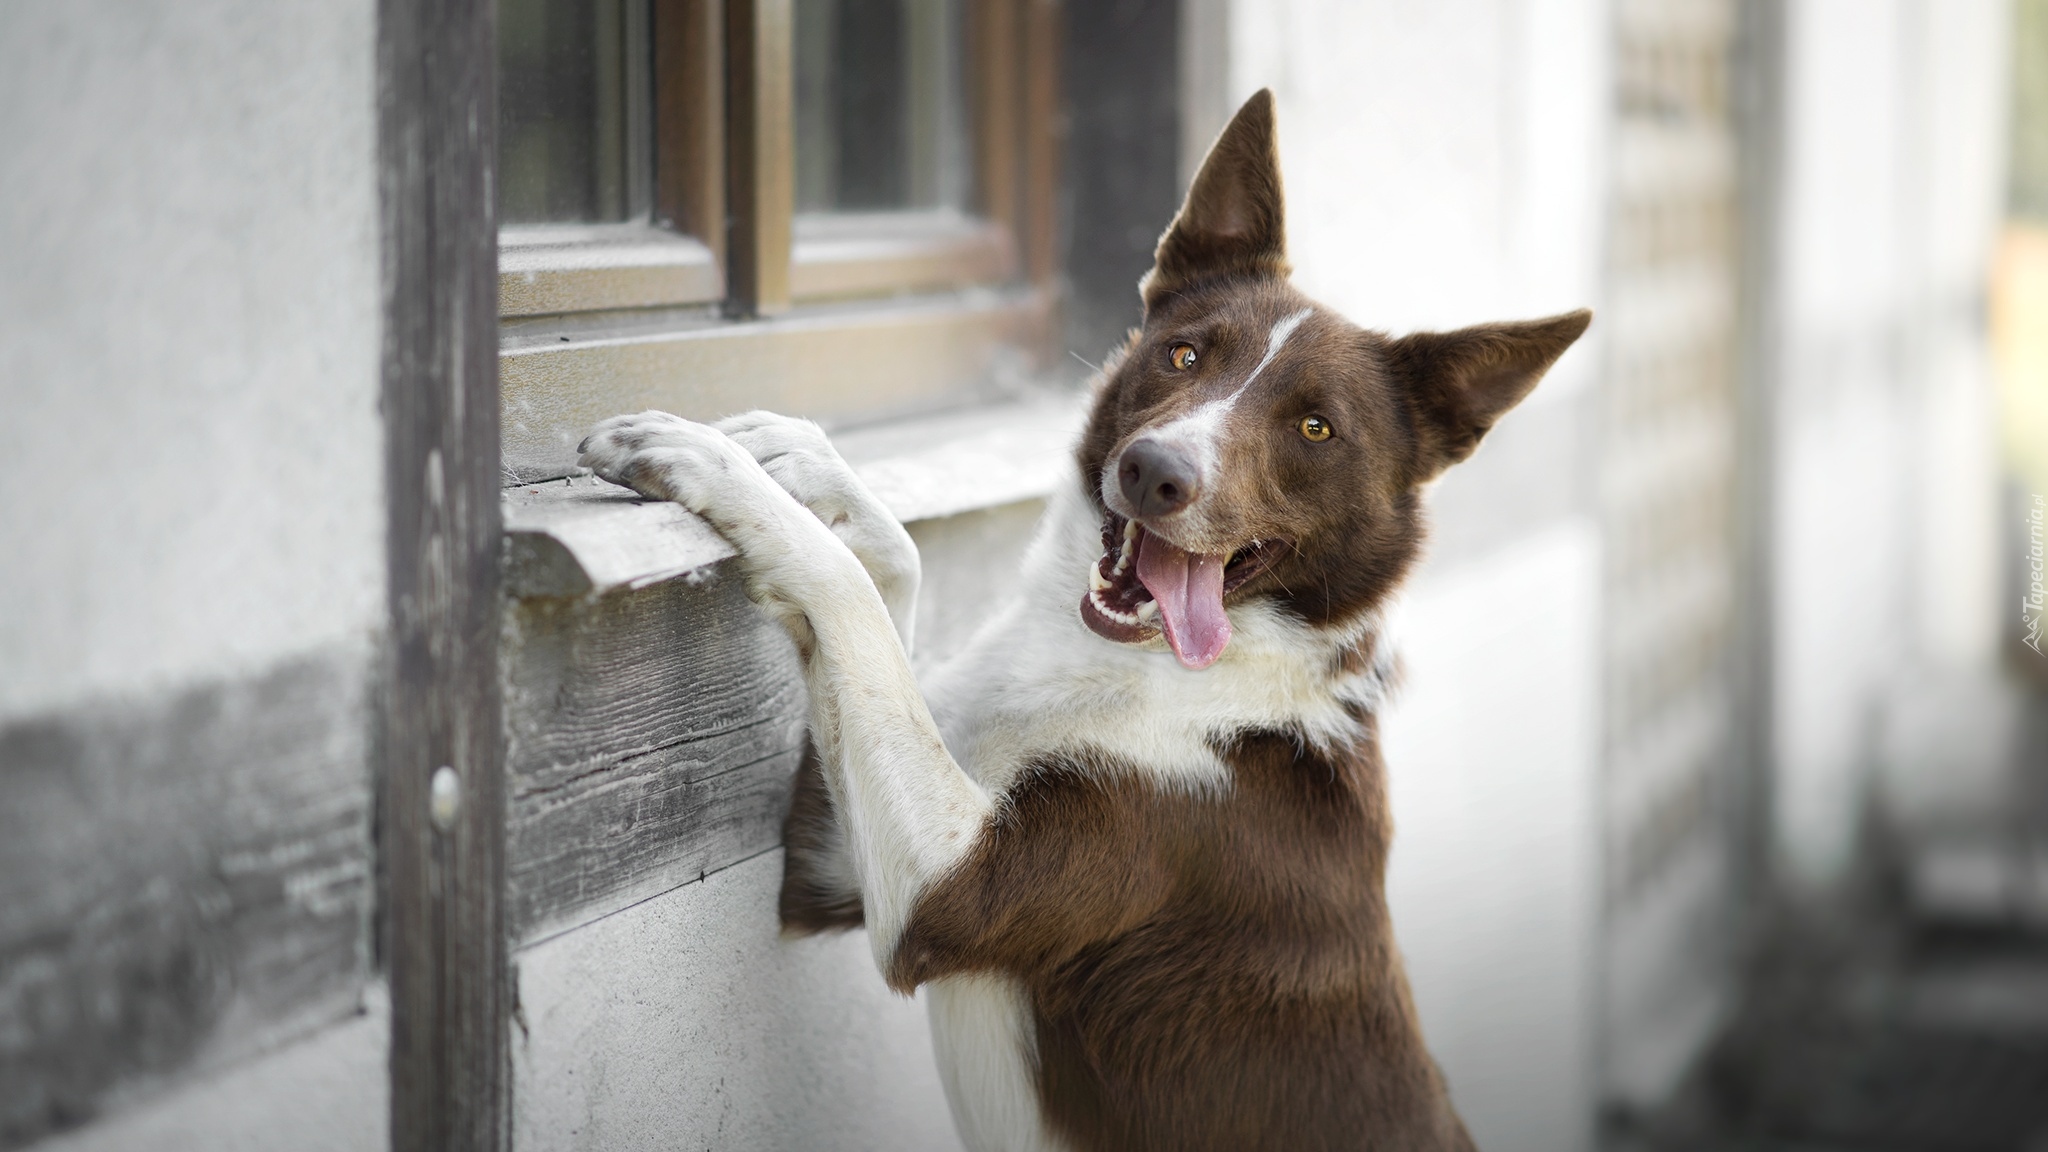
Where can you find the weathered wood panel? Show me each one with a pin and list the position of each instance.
(444, 928)
(181, 881)
(652, 736)
(653, 733)
(581, 535)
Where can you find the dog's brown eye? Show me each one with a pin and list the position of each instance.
(1183, 356)
(1315, 428)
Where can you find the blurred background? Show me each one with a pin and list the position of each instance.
(1721, 766)
(1721, 771)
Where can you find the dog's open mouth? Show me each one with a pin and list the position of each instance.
(1143, 585)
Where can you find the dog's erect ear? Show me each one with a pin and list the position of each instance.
(1461, 382)
(1231, 222)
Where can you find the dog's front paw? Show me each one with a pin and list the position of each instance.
(782, 547)
(665, 457)
(800, 457)
(630, 450)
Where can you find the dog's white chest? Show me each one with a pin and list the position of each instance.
(982, 1035)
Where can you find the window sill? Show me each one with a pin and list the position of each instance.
(549, 270)
(585, 537)
(831, 362)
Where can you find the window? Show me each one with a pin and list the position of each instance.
(573, 140)
(880, 120)
(838, 208)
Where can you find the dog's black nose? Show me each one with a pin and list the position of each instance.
(1157, 479)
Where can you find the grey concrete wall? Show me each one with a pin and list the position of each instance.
(189, 330)
(188, 341)
(325, 1092)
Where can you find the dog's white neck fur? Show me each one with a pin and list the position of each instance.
(1035, 682)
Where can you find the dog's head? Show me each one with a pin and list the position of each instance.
(1248, 443)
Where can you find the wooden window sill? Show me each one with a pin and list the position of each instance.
(584, 537)
(848, 362)
(545, 271)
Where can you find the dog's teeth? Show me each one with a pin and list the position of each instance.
(1097, 580)
(1149, 610)
(1112, 613)
(1124, 554)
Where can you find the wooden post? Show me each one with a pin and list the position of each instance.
(760, 154)
(442, 843)
(689, 118)
(1044, 140)
(993, 27)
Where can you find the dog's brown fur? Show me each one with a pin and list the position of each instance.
(1205, 974)
(1218, 970)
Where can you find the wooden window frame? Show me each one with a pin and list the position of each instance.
(730, 299)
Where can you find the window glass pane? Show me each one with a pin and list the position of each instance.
(571, 105)
(880, 123)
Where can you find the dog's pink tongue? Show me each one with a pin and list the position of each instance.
(1188, 587)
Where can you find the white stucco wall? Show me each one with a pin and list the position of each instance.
(188, 342)
(1443, 158)
(1494, 877)
(1884, 546)
(686, 1021)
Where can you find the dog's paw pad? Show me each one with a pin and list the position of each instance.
(659, 456)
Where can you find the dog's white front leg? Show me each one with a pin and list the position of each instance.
(910, 812)
(801, 458)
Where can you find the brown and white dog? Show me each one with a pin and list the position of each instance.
(1133, 840)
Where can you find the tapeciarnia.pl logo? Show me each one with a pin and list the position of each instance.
(2031, 608)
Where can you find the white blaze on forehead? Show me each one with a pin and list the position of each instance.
(1199, 430)
(1274, 340)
